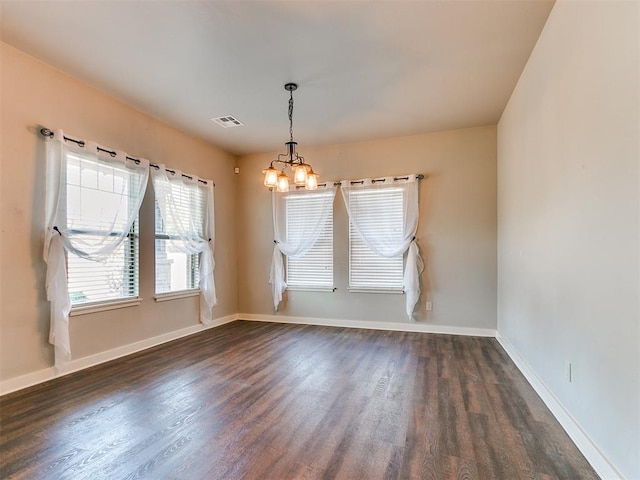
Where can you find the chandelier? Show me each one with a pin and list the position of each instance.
(303, 174)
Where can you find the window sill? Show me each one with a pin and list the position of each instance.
(165, 297)
(312, 289)
(104, 306)
(392, 291)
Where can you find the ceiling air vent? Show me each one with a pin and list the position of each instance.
(227, 121)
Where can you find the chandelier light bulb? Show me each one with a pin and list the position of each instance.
(300, 172)
(283, 182)
(312, 181)
(270, 177)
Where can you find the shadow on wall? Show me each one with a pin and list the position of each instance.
(38, 264)
(427, 284)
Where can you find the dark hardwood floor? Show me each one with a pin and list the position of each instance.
(269, 401)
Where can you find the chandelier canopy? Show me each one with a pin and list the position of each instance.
(303, 174)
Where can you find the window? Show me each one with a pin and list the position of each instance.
(184, 229)
(92, 199)
(96, 193)
(314, 270)
(175, 270)
(380, 211)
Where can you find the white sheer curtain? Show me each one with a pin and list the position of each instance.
(71, 198)
(192, 230)
(388, 243)
(299, 240)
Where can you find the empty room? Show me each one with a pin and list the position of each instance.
(349, 239)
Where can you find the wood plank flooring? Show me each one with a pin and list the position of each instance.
(269, 401)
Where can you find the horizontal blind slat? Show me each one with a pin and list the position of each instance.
(111, 279)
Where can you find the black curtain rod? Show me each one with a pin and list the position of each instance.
(420, 176)
(45, 132)
(335, 184)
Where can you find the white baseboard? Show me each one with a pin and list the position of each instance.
(399, 327)
(592, 453)
(44, 375)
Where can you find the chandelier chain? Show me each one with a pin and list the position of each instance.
(291, 114)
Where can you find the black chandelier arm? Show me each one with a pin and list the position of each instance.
(284, 162)
(291, 161)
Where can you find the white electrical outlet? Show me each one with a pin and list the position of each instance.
(429, 306)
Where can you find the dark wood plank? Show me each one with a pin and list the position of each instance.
(269, 401)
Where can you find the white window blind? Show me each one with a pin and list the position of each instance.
(315, 268)
(92, 188)
(175, 269)
(380, 211)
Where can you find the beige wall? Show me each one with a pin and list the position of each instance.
(568, 202)
(456, 232)
(34, 93)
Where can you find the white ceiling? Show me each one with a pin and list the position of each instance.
(366, 69)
